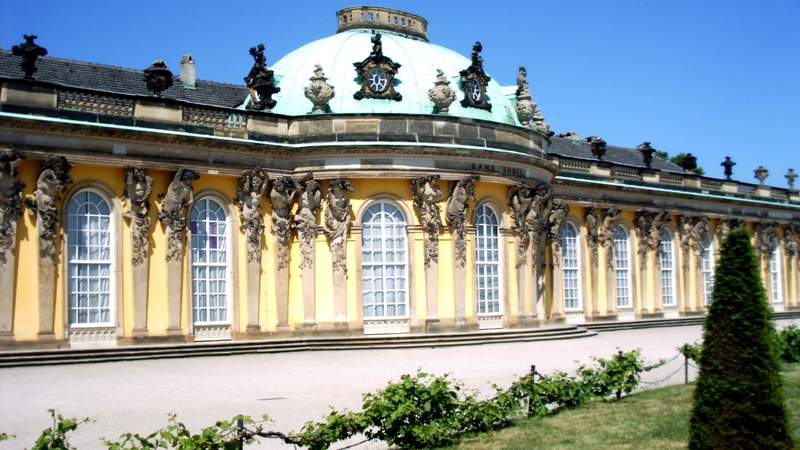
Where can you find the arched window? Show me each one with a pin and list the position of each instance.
(775, 278)
(89, 290)
(667, 262)
(209, 260)
(570, 268)
(622, 267)
(707, 266)
(383, 262)
(487, 260)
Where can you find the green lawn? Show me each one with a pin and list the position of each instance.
(655, 419)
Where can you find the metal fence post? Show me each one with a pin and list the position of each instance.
(240, 432)
(685, 369)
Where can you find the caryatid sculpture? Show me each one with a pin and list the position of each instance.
(456, 212)
(282, 197)
(53, 180)
(337, 221)
(305, 220)
(593, 219)
(556, 218)
(427, 195)
(174, 204)
(252, 185)
(138, 186)
(520, 199)
(606, 233)
(10, 201)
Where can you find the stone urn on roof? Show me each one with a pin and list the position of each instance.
(319, 92)
(441, 94)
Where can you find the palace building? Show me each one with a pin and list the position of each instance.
(369, 182)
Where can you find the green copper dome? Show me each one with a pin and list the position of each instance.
(419, 61)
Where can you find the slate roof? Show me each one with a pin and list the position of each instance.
(619, 155)
(119, 80)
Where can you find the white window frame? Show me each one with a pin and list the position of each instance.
(112, 262)
(626, 270)
(577, 268)
(668, 248)
(227, 265)
(402, 263)
(707, 267)
(776, 274)
(496, 263)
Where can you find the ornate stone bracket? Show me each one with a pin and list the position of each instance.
(456, 212)
(249, 193)
(427, 195)
(305, 221)
(10, 202)
(53, 180)
(174, 204)
(282, 197)
(138, 187)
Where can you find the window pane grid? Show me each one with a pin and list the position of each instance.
(209, 257)
(487, 260)
(775, 275)
(383, 262)
(707, 268)
(89, 259)
(569, 267)
(622, 267)
(667, 259)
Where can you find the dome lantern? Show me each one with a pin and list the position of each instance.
(378, 18)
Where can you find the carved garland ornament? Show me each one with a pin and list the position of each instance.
(456, 212)
(305, 221)
(53, 180)
(337, 221)
(174, 204)
(282, 197)
(427, 195)
(138, 186)
(250, 191)
(10, 202)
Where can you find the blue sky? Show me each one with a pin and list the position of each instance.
(713, 78)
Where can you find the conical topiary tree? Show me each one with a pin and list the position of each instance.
(738, 400)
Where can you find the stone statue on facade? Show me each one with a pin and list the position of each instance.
(727, 166)
(692, 230)
(644, 225)
(520, 199)
(282, 196)
(593, 219)
(441, 94)
(766, 234)
(337, 221)
(427, 195)
(791, 240)
(319, 92)
(555, 221)
(158, 77)
(456, 212)
(174, 204)
(53, 180)
(138, 187)
(10, 201)
(660, 219)
(305, 221)
(30, 53)
(606, 233)
(249, 193)
(728, 225)
(537, 218)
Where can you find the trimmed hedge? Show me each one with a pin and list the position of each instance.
(738, 402)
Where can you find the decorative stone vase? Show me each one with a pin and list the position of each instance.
(441, 94)
(791, 176)
(761, 174)
(319, 92)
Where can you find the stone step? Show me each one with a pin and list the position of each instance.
(75, 356)
(671, 322)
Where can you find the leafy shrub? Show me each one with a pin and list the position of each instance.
(789, 339)
(738, 401)
(691, 351)
(177, 436)
(336, 427)
(55, 437)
